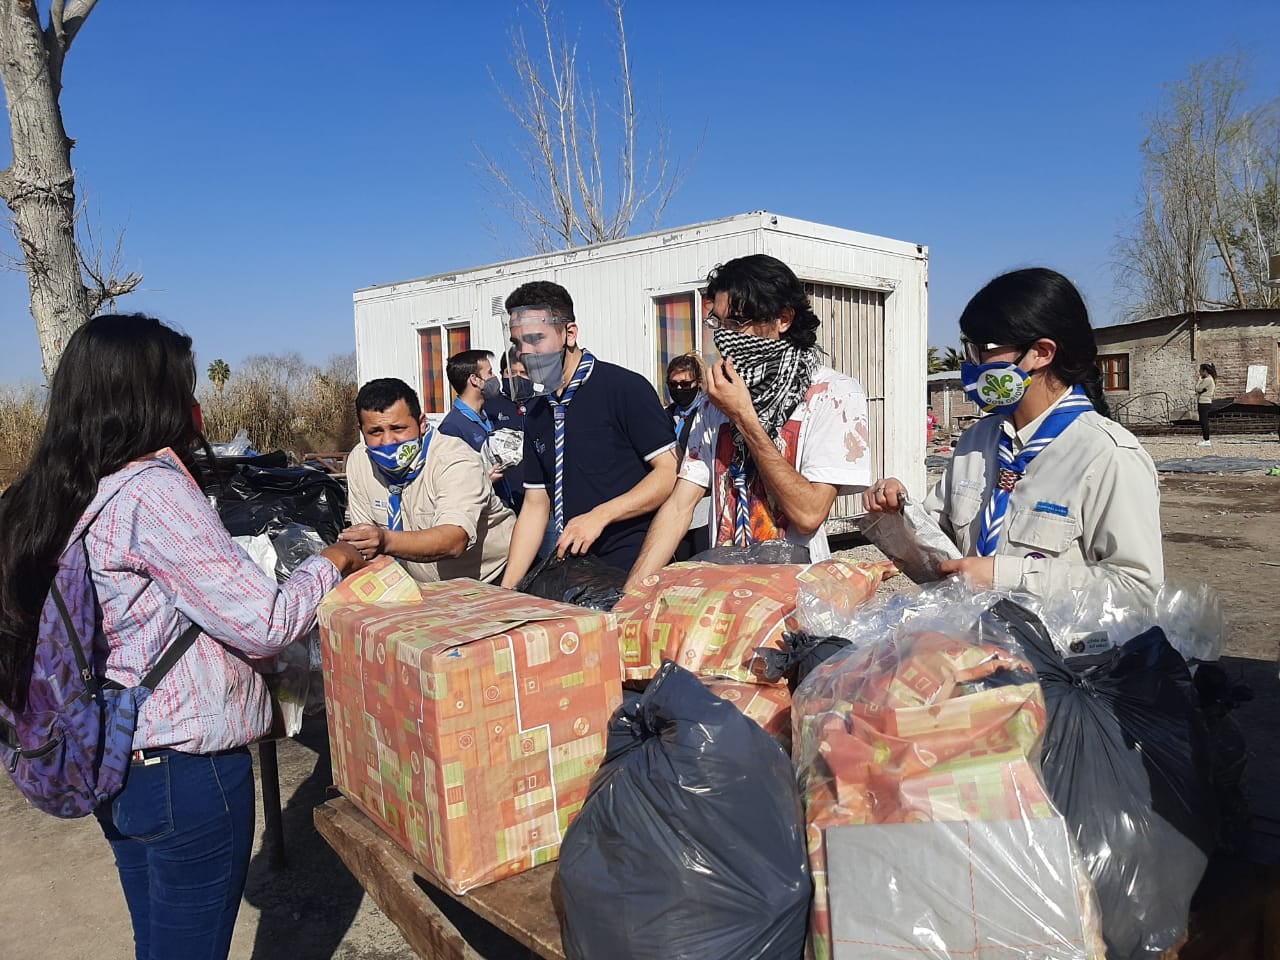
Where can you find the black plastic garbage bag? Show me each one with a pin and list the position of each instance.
(582, 580)
(253, 500)
(691, 843)
(1126, 759)
(764, 552)
(799, 655)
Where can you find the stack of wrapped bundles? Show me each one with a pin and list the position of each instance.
(464, 719)
(713, 620)
(930, 830)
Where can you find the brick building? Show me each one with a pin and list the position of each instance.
(952, 408)
(1150, 366)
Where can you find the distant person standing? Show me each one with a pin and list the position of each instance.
(930, 425)
(1205, 390)
(684, 386)
(473, 418)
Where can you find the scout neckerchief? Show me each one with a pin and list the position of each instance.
(558, 405)
(778, 376)
(399, 465)
(682, 420)
(1012, 468)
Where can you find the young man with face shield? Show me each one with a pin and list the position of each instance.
(1047, 494)
(599, 450)
(479, 410)
(780, 436)
(419, 496)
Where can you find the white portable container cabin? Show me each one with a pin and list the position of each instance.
(637, 304)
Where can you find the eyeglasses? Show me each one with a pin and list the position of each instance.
(973, 351)
(727, 323)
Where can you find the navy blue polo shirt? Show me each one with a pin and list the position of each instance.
(614, 426)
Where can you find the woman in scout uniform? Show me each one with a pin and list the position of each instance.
(1045, 494)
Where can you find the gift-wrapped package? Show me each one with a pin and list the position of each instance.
(468, 725)
(712, 619)
(939, 730)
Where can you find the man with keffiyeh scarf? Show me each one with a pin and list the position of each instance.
(783, 434)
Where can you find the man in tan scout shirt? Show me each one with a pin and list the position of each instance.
(420, 496)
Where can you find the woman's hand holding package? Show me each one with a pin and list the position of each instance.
(884, 496)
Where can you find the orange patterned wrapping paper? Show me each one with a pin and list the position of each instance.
(899, 734)
(710, 619)
(769, 706)
(468, 725)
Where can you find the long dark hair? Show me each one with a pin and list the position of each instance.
(124, 388)
(760, 287)
(1024, 306)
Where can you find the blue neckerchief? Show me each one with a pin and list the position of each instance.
(1012, 468)
(558, 405)
(399, 465)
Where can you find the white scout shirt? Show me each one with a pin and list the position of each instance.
(1088, 507)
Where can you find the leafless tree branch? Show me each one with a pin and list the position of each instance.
(561, 191)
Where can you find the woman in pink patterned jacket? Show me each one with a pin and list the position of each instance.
(114, 466)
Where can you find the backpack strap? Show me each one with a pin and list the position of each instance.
(171, 656)
(77, 648)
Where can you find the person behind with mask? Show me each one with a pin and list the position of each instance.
(684, 385)
(1048, 494)
(421, 497)
(782, 435)
(113, 474)
(478, 411)
(515, 383)
(599, 451)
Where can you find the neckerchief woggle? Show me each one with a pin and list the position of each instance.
(1013, 468)
(399, 465)
(558, 405)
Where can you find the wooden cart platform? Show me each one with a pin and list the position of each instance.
(1241, 923)
(521, 906)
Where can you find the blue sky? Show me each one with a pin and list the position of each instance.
(267, 159)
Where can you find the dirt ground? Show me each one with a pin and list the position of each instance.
(62, 897)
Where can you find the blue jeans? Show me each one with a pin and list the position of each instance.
(182, 832)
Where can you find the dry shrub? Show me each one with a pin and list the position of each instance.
(286, 403)
(21, 423)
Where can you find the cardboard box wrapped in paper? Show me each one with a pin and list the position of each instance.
(468, 725)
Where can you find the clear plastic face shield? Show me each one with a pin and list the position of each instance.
(536, 344)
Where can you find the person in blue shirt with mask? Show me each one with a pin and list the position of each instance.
(479, 410)
(1046, 494)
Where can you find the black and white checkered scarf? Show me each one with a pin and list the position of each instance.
(777, 374)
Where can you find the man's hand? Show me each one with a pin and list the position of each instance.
(496, 473)
(369, 539)
(727, 390)
(580, 533)
(978, 572)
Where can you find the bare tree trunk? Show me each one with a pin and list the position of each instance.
(39, 185)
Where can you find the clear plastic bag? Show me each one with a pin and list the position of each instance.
(1127, 759)
(295, 543)
(925, 739)
(237, 446)
(1103, 616)
(912, 539)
